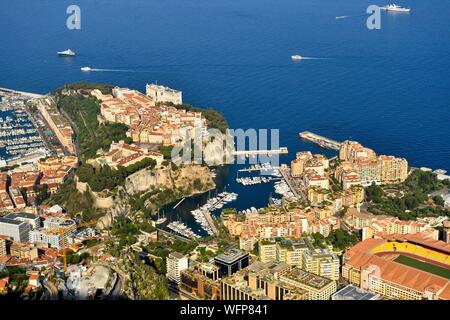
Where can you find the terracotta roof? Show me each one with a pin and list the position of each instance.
(398, 273)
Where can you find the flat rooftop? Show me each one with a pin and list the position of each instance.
(307, 278)
(176, 255)
(23, 215)
(270, 267)
(10, 221)
(352, 292)
(231, 255)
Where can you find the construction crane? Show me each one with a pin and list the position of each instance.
(62, 232)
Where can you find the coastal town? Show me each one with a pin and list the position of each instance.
(86, 172)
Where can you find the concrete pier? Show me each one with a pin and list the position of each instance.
(323, 142)
(10, 92)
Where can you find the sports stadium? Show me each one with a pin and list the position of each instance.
(400, 267)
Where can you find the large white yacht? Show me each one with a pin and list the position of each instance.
(66, 53)
(395, 8)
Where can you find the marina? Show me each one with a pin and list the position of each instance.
(202, 215)
(246, 181)
(264, 167)
(268, 173)
(19, 136)
(182, 229)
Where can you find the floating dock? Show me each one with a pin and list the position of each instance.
(323, 142)
(208, 217)
(282, 150)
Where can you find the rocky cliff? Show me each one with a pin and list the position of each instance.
(181, 178)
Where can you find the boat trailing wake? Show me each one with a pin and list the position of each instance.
(114, 70)
(351, 16)
(314, 58)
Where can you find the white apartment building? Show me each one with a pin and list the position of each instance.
(14, 229)
(176, 263)
(32, 219)
(43, 236)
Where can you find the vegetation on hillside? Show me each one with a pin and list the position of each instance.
(74, 201)
(215, 119)
(108, 178)
(104, 88)
(411, 205)
(83, 111)
(339, 239)
(145, 283)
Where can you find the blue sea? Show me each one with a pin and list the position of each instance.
(387, 88)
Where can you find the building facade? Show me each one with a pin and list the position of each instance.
(176, 263)
(164, 94)
(14, 229)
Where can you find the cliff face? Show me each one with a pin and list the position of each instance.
(166, 178)
(144, 180)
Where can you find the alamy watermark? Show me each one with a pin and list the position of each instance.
(373, 22)
(73, 22)
(213, 147)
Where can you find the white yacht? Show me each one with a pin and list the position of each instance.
(161, 220)
(296, 57)
(86, 69)
(395, 8)
(66, 53)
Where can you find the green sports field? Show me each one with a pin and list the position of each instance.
(424, 266)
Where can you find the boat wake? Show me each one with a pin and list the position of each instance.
(114, 70)
(314, 58)
(351, 16)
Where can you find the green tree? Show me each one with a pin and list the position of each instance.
(439, 200)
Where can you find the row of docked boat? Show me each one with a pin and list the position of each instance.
(248, 181)
(266, 166)
(202, 215)
(282, 188)
(21, 148)
(219, 201)
(183, 230)
(249, 211)
(18, 134)
(17, 131)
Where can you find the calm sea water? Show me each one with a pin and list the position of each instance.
(388, 88)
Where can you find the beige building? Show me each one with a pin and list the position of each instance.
(312, 179)
(322, 263)
(3, 241)
(362, 166)
(24, 250)
(301, 253)
(267, 251)
(164, 94)
(297, 168)
(318, 288)
(60, 126)
(124, 155)
(260, 281)
(393, 169)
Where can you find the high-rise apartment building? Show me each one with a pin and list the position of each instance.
(176, 262)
